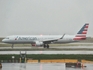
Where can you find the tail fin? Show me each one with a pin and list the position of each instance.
(84, 29)
(82, 32)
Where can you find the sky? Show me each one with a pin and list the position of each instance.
(47, 17)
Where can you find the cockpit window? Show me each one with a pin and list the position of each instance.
(7, 38)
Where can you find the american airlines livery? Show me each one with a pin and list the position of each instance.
(45, 40)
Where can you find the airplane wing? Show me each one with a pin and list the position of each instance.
(52, 40)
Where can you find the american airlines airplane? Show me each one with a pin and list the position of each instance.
(45, 40)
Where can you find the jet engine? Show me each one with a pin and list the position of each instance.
(38, 43)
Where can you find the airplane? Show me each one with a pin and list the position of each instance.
(45, 40)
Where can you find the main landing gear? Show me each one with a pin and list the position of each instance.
(46, 46)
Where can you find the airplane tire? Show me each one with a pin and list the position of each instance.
(44, 46)
(47, 46)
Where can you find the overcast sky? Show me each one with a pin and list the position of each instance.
(30, 17)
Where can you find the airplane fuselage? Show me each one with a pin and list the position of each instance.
(30, 39)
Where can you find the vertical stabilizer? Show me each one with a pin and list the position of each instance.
(82, 32)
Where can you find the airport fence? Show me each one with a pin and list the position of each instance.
(17, 58)
(9, 61)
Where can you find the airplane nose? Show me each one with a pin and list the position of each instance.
(3, 40)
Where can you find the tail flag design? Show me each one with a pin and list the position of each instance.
(81, 35)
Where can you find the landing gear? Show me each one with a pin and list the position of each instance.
(46, 46)
(12, 46)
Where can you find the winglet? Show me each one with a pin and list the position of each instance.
(62, 36)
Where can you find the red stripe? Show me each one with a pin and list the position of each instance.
(86, 27)
(84, 32)
(15, 38)
(78, 38)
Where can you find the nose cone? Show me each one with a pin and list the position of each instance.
(4, 41)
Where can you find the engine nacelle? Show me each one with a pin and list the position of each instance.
(38, 43)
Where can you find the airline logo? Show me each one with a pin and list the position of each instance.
(81, 35)
(84, 29)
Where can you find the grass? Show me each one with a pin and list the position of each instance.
(1, 39)
(49, 56)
